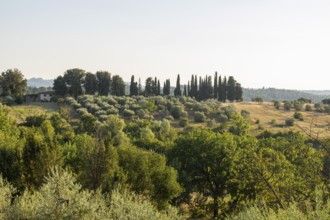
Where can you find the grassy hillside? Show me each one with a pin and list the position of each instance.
(261, 116)
(20, 112)
(186, 112)
(271, 94)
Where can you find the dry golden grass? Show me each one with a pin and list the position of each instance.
(20, 112)
(314, 123)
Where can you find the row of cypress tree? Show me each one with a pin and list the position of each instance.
(76, 82)
(202, 89)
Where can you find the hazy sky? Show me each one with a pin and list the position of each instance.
(270, 43)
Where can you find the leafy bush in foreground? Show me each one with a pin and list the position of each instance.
(60, 197)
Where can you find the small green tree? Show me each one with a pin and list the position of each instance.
(199, 117)
(148, 174)
(298, 116)
(90, 83)
(205, 161)
(118, 86)
(289, 122)
(104, 82)
(74, 79)
(12, 82)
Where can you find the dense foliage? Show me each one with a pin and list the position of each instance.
(148, 156)
(134, 150)
(12, 86)
(76, 82)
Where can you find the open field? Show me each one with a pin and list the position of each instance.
(315, 122)
(20, 112)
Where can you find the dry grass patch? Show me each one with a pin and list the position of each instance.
(314, 123)
(20, 112)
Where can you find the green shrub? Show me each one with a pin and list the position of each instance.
(298, 116)
(94, 108)
(245, 113)
(222, 118)
(319, 107)
(183, 122)
(229, 110)
(100, 112)
(82, 111)
(309, 210)
(273, 122)
(128, 113)
(297, 106)
(184, 114)
(141, 113)
(199, 117)
(277, 104)
(103, 117)
(304, 100)
(257, 99)
(327, 109)
(35, 121)
(169, 117)
(201, 107)
(61, 197)
(308, 108)
(176, 112)
(9, 100)
(58, 99)
(76, 105)
(287, 105)
(210, 123)
(289, 122)
(112, 111)
(19, 100)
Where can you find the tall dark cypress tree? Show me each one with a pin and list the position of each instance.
(200, 90)
(167, 87)
(231, 89)
(149, 88)
(133, 89)
(184, 90)
(158, 88)
(209, 88)
(140, 87)
(154, 86)
(219, 88)
(196, 88)
(215, 92)
(177, 90)
(224, 90)
(164, 89)
(188, 89)
(238, 92)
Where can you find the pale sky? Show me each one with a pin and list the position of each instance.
(262, 43)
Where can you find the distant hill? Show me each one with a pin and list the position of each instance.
(270, 94)
(40, 82)
(318, 92)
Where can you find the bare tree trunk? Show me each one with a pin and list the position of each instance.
(215, 207)
(279, 201)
